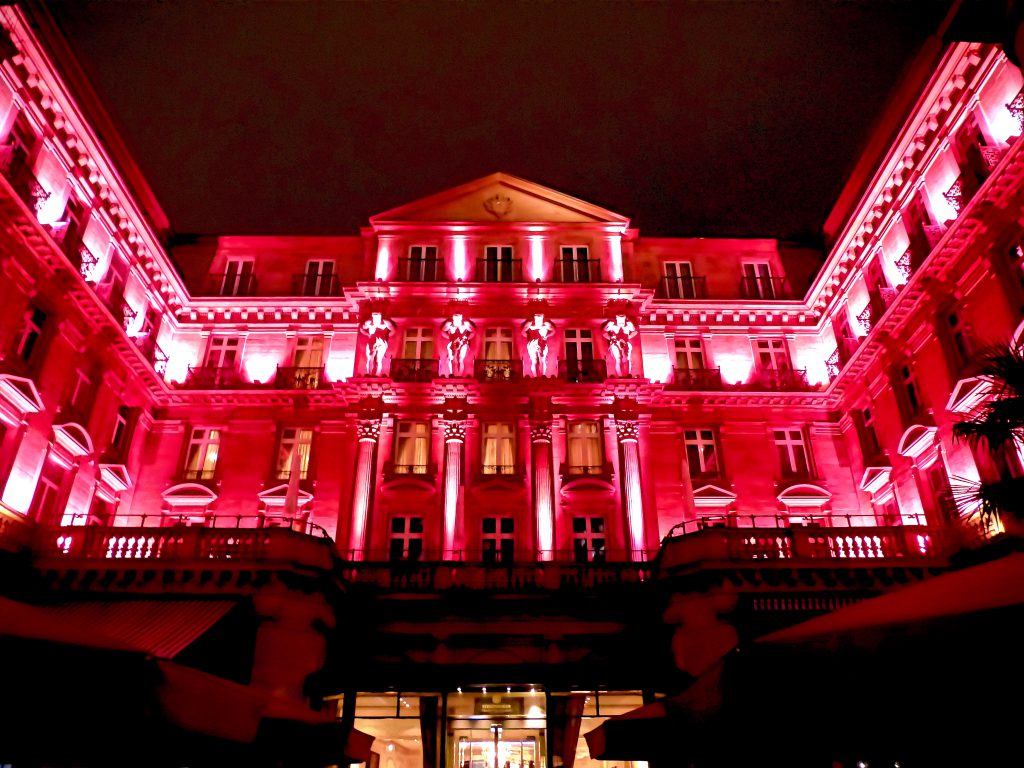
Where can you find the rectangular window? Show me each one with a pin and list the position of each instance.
(309, 352)
(910, 390)
(202, 454)
(960, 346)
(680, 282)
(498, 344)
(238, 278)
(412, 447)
(758, 282)
(771, 355)
(319, 278)
(579, 356)
(701, 452)
(294, 441)
(588, 539)
(119, 437)
(585, 453)
(44, 503)
(498, 540)
(498, 264)
(690, 355)
(576, 265)
(418, 344)
(498, 446)
(423, 264)
(222, 352)
(79, 398)
(406, 538)
(794, 460)
(869, 436)
(31, 333)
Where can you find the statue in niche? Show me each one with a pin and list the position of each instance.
(378, 330)
(458, 331)
(620, 331)
(537, 332)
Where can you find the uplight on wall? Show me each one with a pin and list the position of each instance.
(735, 369)
(260, 368)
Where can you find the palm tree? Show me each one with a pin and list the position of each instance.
(997, 426)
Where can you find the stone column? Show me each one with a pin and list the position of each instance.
(543, 485)
(454, 440)
(368, 430)
(628, 433)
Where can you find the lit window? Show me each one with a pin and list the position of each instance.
(203, 450)
(293, 440)
(422, 264)
(690, 355)
(498, 344)
(406, 538)
(576, 265)
(499, 449)
(498, 539)
(309, 352)
(418, 344)
(588, 539)
(758, 282)
(701, 452)
(32, 331)
(498, 265)
(771, 355)
(584, 443)
(318, 280)
(238, 278)
(792, 452)
(680, 282)
(222, 352)
(412, 448)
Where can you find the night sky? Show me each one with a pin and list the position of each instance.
(712, 117)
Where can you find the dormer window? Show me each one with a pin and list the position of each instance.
(319, 278)
(238, 278)
(758, 281)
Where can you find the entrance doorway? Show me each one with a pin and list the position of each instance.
(503, 729)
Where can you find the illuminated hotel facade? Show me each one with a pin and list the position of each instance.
(448, 470)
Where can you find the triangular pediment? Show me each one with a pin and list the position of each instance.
(278, 496)
(712, 496)
(499, 198)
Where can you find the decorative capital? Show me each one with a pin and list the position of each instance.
(628, 430)
(540, 431)
(455, 431)
(368, 430)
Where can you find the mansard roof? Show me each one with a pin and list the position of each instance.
(500, 197)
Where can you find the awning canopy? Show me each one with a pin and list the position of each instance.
(161, 628)
(984, 587)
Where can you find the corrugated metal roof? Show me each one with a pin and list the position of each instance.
(162, 628)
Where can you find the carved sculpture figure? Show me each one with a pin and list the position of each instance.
(620, 332)
(458, 331)
(378, 331)
(537, 332)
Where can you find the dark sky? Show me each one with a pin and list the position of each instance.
(717, 117)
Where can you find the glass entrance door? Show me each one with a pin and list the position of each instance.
(496, 730)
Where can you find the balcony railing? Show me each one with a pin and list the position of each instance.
(213, 377)
(420, 270)
(496, 371)
(300, 378)
(314, 284)
(763, 287)
(578, 270)
(754, 540)
(231, 285)
(570, 471)
(492, 470)
(558, 572)
(954, 196)
(680, 287)
(414, 369)
(697, 378)
(786, 379)
(192, 475)
(499, 271)
(582, 371)
(14, 165)
(394, 470)
(260, 538)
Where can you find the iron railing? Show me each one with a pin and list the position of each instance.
(683, 287)
(697, 378)
(410, 369)
(499, 270)
(223, 284)
(492, 371)
(582, 371)
(300, 378)
(578, 270)
(420, 270)
(315, 284)
(213, 377)
(763, 287)
(783, 380)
